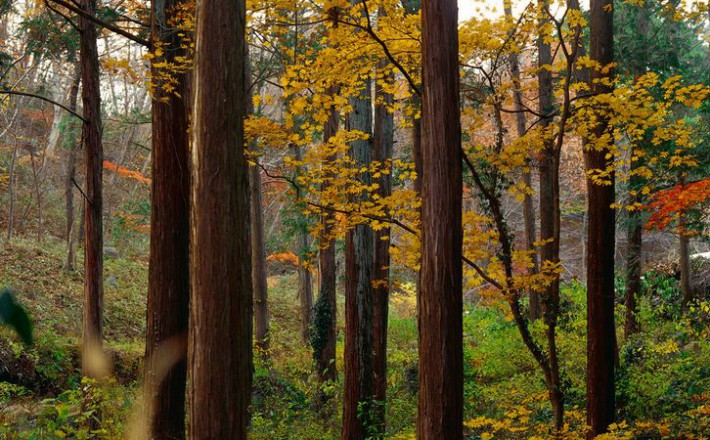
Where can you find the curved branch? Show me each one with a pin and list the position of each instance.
(32, 95)
(385, 48)
(103, 24)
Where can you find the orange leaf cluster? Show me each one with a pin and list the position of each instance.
(125, 172)
(667, 205)
(284, 257)
(133, 222)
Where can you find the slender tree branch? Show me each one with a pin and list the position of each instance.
(32, 95)
(64, 16)
(384, 47)
(102, 23)
(80, 190)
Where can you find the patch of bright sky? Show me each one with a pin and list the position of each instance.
(493, 8)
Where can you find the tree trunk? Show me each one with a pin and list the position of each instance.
(324, 332)
(93, 159)
(305, 287)
(383, 143)
(258, 272)
(11, 189)
(600, 239)
(634, 231)
(439, 305)
(55, 130)
(359, 374)
(633, 271)
(258, 248)
(220, 329)
(305, 280)
(169, 269)
(535, 311)
(70, 261)
(550, 222)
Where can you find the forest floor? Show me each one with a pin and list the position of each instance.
(663, 386)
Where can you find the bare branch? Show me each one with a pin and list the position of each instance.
(32, 95)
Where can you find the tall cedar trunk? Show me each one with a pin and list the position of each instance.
(535, 311)
(358, 365)
(258, 248)
(439, 305)
(382, 152)
(169, 269)
(93, 159)
(600, 242)
(70, 261)
(550, 222)
(323, 337)
(220, 330)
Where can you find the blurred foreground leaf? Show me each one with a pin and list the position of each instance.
(15, 316)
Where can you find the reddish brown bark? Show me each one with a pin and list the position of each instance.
(600, 244)
(440, 296)
(358, 366)
(93, 159)
(169, 268)
(220, 329)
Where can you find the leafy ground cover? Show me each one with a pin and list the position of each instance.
(662, 384)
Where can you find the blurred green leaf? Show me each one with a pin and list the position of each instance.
(15, 316)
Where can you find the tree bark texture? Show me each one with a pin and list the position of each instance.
(359, 252)
(439, 303)
(169, 268)
(93, 160)
(220, 326)
(600, 243)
